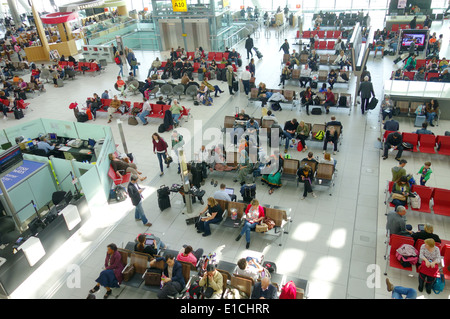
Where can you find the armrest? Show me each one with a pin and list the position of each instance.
(144, 273)
(124, 268)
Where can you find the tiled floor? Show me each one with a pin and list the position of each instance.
(332, 240)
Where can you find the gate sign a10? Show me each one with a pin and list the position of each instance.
(179, 5)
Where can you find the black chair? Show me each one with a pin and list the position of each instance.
(58, 197)
(8, 232)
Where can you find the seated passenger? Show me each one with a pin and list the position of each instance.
(249, 268)
(332, 77)
(400, 192)
(173, 281)
(272, 171)
(213, 216)
(305, 175)
(327, 159)
(253, 216)
(221, 194)
(331, 136)
(302, 134)
(264, 290)
(121, 167)
(426, 233)
(221, 162)
(188, 255)
(239, 127)
(212, 279)
(142, 247)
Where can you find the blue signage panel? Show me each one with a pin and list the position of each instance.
(21, 173)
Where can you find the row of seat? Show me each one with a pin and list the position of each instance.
(396, 241)
(423, 63)
(329, 34)
(196, 66)
(437, 198)
(425, 143)
(410, 75)
(397, 27)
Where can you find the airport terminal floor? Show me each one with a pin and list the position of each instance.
(334, 241)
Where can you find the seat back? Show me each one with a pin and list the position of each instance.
(240, 208)
(425, 193)
(254, 93)
(124, 254)
(211, 56)
(140, 262)
(267, 123)
(290, 166)
(311, 164)
(225, 277)
(289, 95)
(223, 204)
(330, 45)
(242, 284)
(410, 75)
(431, 75)
(410, 138)
(396, 241)
(427, 140)
(156, 109)
(403, 106)
(232, 158)
(441, 199)
(325, 171)
(228, 122)
(219, 56)
(276, 214)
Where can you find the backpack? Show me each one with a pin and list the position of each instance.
(343, 101)
(289, 291)
(276, 106)
(439, 284)
(319, 135)
(132, 121)
(161, 128)
(415, 201)
(117, 59)
(118, 193)
(82, 117)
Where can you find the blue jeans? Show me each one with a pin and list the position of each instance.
(246, 230)
(398, 202)
(139, 213)
(176, 117)
(288, 138)
(431, 117)
(121, 70)
(160, 159)
(204, 226)
(399, 291)
(142, 116)
(238, 132)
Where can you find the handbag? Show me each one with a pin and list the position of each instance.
(262, 228)
(128, 273)
(428, 271)
(209, 291)
(168, 160)
(398, 196)
(269, 222)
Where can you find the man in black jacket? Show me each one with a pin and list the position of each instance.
(366, 92)
(174, 281)
(264, 290)
(249, 46)
(134, 191)
(393, 140)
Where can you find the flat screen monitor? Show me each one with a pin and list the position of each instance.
(409, 36)
(91, 142)
(229, 191)
(52, 136)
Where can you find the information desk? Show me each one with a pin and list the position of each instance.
(391, 20)
(16, 269)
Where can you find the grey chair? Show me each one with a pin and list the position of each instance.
(133, 87)
(166, 89)
(71, 74)
(192, 91)
(153, 92)
(45, 74)
(178, 90)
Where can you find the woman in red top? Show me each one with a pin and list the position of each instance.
(254, 214)
(160, 149)
(121, 86)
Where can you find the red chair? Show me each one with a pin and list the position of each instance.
(337, 34)
(330, 45)
(221, 66)
(427, 143)
(163, 64)
(445, 245)
(116, 179)
(441, 201)
(306, 34)
(404, 26)
(411, 138)
(385, 135)
(410, 75)
(321, 34)
(298, 34)
(138, 105)
(329, 34)
(443, 143)
(446, 267)
(396, 241)
(219, 56)
(316, 45)
(190, 55)
(313, 33)
(425, 193)
(196, 66)
(164, 109)
(225, 55)
(420, 63)
(431, 75)
(322, 45)
(156, 110)
(211, 56)
(419, 27)
(395, 28)
(390, 186)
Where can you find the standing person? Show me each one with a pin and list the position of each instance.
(285, 47)
(425, 173)
(231, 78)
(245, 78)
(302, 134)
(135, 193)
(399, 171)
(366, 92)
(112, 276)
(249, 46)
(306, 175)
(119, 63)
(160, 149)
(413, 23)
(254, 214)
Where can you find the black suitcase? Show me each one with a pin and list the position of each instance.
(258, 53)
(314, 85)
(316, 111)
(239, 62)
(372, 104)
(223, 75)
(163, 191)
(235, 86)
(176, 74)
(18, 114)
(397, 60)
(163, 202)
(82, 117)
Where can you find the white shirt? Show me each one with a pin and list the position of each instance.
(271, 118)
(305, 72)
(146, 107)
(246, 75)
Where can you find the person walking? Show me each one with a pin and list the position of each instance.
(285, 47)
(160, 149)
(119, 63)
(135, 193)
(249, 46)
(245, 78)
(366, 92)
(230, 78)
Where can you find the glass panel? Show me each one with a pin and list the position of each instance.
(416, 88)
(377, 4)
(433, 89)
(19, 201)
(87, 131)
(92, 189)
(325, 5)
(360, 4)
(387, 87)
(446, 91)
(308, 5)
(30, 130)
(399, 87)
(62, 169)
(103, 160)
(42, 186)
(61, 128)
(438, 4)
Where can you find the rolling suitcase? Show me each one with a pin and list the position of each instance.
(235, 86)
(18, 114)
(163, 197)
(153, 277)
(258, 53)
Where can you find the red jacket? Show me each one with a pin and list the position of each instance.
(260, 208)
(159, 146)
